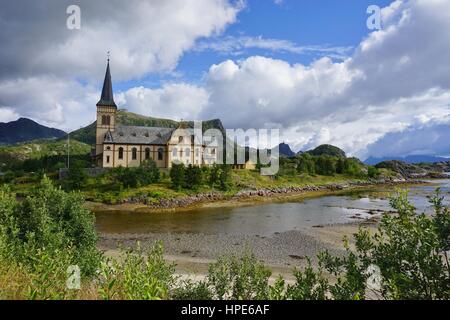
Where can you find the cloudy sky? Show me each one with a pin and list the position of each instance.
(311, 68)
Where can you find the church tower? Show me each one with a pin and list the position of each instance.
(106, 113)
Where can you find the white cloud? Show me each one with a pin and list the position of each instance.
(143, 36)
(7, 114)
(174, 101)
(236, 46)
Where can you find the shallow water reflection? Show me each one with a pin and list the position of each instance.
(267, 219)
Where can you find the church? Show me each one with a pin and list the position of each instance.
(130, 146)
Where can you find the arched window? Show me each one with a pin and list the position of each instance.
(134, 153)
(180, 139)
(197, 152)
(160, 154)
(121, 153)
(188, 152)
(174, 152)
(213, 151)
(106, 120)
(147, 153)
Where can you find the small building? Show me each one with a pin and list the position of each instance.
(129, 146)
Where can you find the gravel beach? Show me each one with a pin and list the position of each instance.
(192, 252)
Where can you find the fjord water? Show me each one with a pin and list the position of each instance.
(269, 218)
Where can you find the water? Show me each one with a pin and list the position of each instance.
(267, 219)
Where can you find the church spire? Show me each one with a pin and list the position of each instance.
(107, 98)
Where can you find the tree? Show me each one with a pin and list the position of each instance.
(193, 177)
(148, 172)
(373, 172)
(76, 177)
(177, 175)
(305, 164)
(214, 176)
(352, 167)
(325, 165)
(225, 177)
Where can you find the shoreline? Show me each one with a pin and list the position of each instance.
(244, 197)
(281, 252)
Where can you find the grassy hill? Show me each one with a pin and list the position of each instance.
(10, 155)
(126, 118)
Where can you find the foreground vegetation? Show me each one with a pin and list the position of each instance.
(49, 231)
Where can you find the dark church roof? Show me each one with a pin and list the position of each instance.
(139, 135)
(107, 98)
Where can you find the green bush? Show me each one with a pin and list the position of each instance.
(193, 177)
(177, 175)
(409, 250)
(239, 278)
(148, 173)
(136, 276)
(49, 220)
(76, 177)
(189, 290)
(373, 172)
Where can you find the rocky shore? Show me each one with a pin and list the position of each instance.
(210, 197)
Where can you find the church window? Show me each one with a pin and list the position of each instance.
(147, 153)
(174, 152)
(188, 152)
(134, 153)
(120, 153)
(107, 159)
(160, 154)
(106, 120)
(180, 139)
(197, 152)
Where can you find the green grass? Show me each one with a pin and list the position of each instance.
(40, 148)
(101, 190)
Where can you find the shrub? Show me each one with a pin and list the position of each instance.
(409, 250)
(225, 177)
(239, 278)
(49, 220)
(136, 276)
(189, 290)
(373, 172)
(177, 175)
(193, 177)
(76, 177)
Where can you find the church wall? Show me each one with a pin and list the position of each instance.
(101, 129)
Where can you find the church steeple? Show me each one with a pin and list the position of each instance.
(107, 98)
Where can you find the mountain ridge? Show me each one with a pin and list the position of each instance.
(24, 130)
(411, 159)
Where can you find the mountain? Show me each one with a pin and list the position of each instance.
(328, 150)
(126, 118)
(408, 159)
(24, 129)
(285, 150)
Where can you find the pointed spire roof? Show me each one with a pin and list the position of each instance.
(107, 98)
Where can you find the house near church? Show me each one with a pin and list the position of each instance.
(129, 146)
